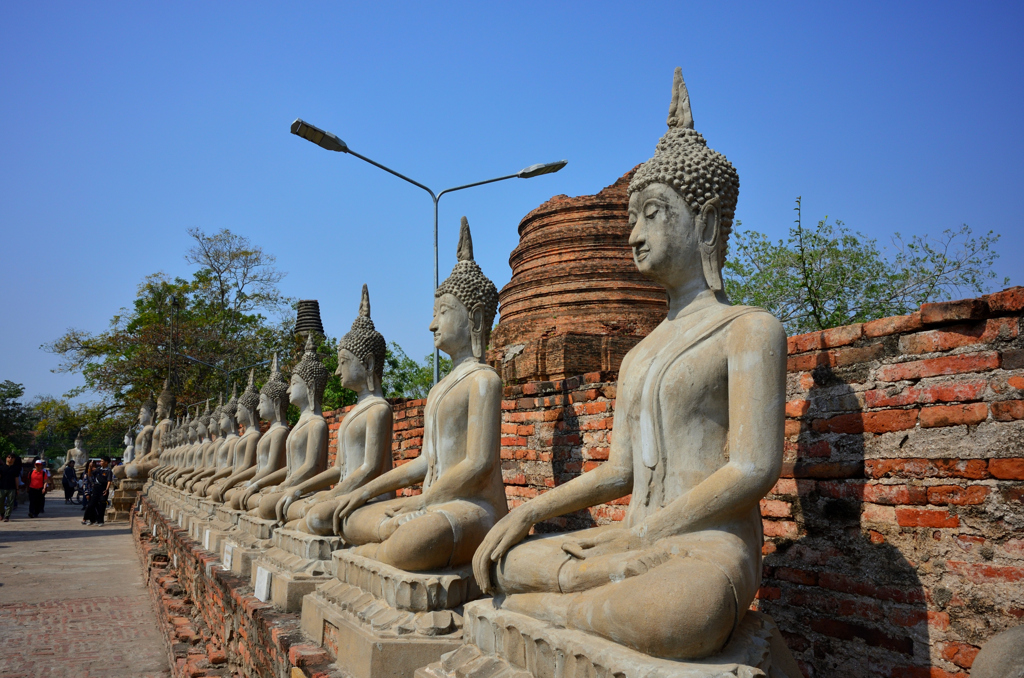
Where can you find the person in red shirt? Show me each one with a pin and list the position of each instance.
(37, 486)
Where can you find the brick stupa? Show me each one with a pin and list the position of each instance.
(576, 302)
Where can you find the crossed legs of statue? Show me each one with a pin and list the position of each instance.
(437, 537)
(680, 598)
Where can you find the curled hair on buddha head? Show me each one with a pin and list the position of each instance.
(701, 176)
(469, 285)
(230, 408)
(363, 340)
(276, 387)
(250, 398)
(150, 404)
(205, 418)
(312, 371)
(166, 402)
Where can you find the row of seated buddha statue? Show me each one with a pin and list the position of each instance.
(698, 437)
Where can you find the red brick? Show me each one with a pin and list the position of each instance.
(983, 332)
(932, 367)
(805, 577)
(780, 528)
(773, 508)
(1007, 469)
(797, 408)
(935, 393)
(792, 428)
(768, 593)
(306, 655)
(1016, 382)
(975, 469)
(842, 336)
(953, 415)
(960, 654)
(980, 573)
(895, 494)
(869, 422)
(1008, 410)
(915, 517)
(947, 311)
(954, 494)
(1008, 301)
(802, 343)
(895, 325)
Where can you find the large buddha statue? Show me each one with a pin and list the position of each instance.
(178, 459)
(243, 463)
(271, 452)
(698, 440)
(307, 441)
(76, 454)
(204, 461)
(459, 465)
(147, 458)
(364, 436)
(196, 454)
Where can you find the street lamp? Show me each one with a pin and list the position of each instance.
(331, 142)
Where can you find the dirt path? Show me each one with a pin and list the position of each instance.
(72, 600)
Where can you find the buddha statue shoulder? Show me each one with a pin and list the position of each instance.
(271, 451)
(364, 435)
(459, 466)
(698, 440)
(306, 445)
(243, 462)
(206, 466)
(223, 462)
(148, 458)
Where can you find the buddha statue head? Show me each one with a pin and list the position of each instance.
(465, 303)
(203, 423)
(682, 203)
(78, 440)
(193, 429)
(361, 352)
(309, 379)
(228, 412)
(147, 411)
(215, 416)
(248, 403)
(166, 402)
(273, 403)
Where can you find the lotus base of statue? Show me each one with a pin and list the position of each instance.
(297, 562)
(512, 645)
(377, 620)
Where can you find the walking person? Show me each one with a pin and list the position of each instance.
(37, 482)
(10, 480)
(69, 481)
(85, 485)
(98, 495)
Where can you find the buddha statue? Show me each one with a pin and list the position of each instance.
(76, 454)
(698, 437)
(271, 452)
(205, 462)
(170, 460)
(459, 465)
(308, 439)
(148, 458)
(243, 463)
(224, 457)
(364, 436)
(196, 455)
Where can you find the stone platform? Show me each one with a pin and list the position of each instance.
(122, 500)
(294, 565)
(245, 542)
(377, 621)
(512, 645)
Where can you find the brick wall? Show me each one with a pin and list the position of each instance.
(895, 537)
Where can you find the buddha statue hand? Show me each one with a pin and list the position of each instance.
(611, 540)
(505, 534)
(412, 504)
(284, 503)
(250, 490)
(346, 505)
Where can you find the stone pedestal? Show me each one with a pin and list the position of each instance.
(381, 622)
(244, 543)
(296, 563)
(499, 642)
(122, 500)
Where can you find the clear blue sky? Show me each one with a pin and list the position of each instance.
(123, 124)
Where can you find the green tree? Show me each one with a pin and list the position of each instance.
(16, 419)
(829, 276)
(406, 378)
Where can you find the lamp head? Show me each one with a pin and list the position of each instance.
(543, 168)
(321, 138)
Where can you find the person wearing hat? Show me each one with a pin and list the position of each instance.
(37, 482)
(10, 479)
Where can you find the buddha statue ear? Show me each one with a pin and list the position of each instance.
(476, 322)
(709, 229)
(368, 363)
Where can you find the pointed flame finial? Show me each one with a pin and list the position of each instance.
(364, 303)
(679, 113)
(465, 251)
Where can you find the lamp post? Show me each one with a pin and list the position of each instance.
(329, 141)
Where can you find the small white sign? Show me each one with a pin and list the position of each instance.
(154, 529)
(181, 520)
(263, 584)
(206, 540)
(228, 549)
(175, 561)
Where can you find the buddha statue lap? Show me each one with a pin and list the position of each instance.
(364, 436)
(243, 463)
(307, 441)
(698, 439)
(463, 495)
